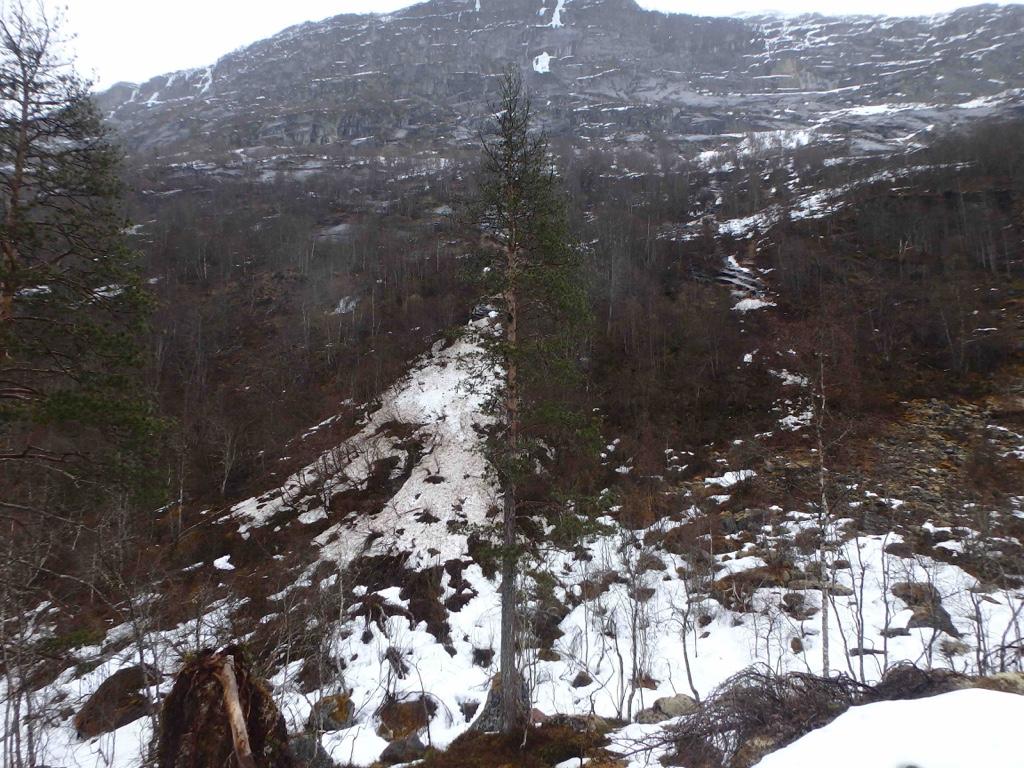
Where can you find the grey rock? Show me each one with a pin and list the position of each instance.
(403, 751)
(119, 700)
(804, 584)
(676, 706)
(617, 71)
(309, 752)
(650, 716)
(896, 632)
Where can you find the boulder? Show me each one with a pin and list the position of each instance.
(119, 700)
(676, 706)
(402, 719)
(403, 751)
(933, 617)
(579, 723)
(310, 753)
(666, 708)
(331, 713)
(582, 680)
(926, 603)
(795, 604)
(650, 716)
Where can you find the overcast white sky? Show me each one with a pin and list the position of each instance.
(137, 39)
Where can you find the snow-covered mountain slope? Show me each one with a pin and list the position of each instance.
(604, 70)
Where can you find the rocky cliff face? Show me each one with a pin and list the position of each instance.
(600, 70)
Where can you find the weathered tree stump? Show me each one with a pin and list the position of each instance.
(217, 715)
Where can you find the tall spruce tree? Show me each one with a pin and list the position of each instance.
(73, 418)
(534, 272)
(75, 425)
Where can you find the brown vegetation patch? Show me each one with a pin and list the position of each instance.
(735, 590)
(540, 747)
(401, 719)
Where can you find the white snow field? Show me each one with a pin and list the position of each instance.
(959, 729)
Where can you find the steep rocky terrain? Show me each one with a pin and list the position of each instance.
(605, 70)
(740, 185)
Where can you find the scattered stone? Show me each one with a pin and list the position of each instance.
(838, 590)
(926, 603)
(896, 632)
(795, 604)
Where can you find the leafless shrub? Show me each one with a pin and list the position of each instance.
(757, 711)
(759, 707)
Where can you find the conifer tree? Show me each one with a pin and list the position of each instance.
(76, 428)
(73, 420)
(534, 271)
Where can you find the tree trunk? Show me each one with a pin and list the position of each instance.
(824, 515)
(513, 709)
(225, 673)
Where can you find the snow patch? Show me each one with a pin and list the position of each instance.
(952, 730)
(223, 563)
(730, 479)
(556, 17)
(748, 305)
